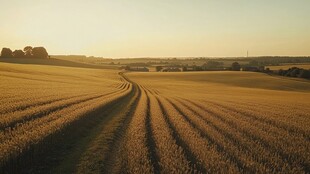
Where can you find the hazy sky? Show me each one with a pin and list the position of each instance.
(138, 28)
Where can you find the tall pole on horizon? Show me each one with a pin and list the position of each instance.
(247, 53)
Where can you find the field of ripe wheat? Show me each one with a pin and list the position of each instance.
(238, 122)
(38, 103)
(80, 120)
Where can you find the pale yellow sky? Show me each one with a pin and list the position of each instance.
(161, 28)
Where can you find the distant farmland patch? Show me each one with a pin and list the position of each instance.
(287, 66)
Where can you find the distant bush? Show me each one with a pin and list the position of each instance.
(304, 74)
(295, 72)
(281, 72)
(159, 68)
(235, 66)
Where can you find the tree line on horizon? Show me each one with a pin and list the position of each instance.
(27, 52)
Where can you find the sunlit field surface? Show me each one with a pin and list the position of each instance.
(227, 121)
(80, 120)
(39, 102)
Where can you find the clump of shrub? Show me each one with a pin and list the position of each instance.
(295, 72)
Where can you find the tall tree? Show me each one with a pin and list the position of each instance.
(28, 51)
(6, 53)
(39, 52)
(18, 54)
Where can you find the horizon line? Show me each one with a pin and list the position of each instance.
(178, 57)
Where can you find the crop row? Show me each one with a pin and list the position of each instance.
(198, 136)
(271, 150)
(15, 141)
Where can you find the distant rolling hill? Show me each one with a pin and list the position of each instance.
(53, 62)
(228, 79)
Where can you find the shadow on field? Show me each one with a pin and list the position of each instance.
(53, 62)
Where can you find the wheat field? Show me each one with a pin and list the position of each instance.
(81, 120)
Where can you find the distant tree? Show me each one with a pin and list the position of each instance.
(211, 64)
(28, 51)
(253, 63)
(304, 74)
(39, 52)
(158, 68)
(287, 72)
(267, 70)
(18, 54)
(235, 66)
(199, 68)
(6, 53)
(281, 72)
(184, 68)
(293, 72)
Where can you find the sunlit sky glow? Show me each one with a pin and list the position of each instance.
(158, 28)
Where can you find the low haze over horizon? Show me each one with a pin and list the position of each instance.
(171, 28)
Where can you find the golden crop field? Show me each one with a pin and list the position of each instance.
(230, 122)
(81, 120)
